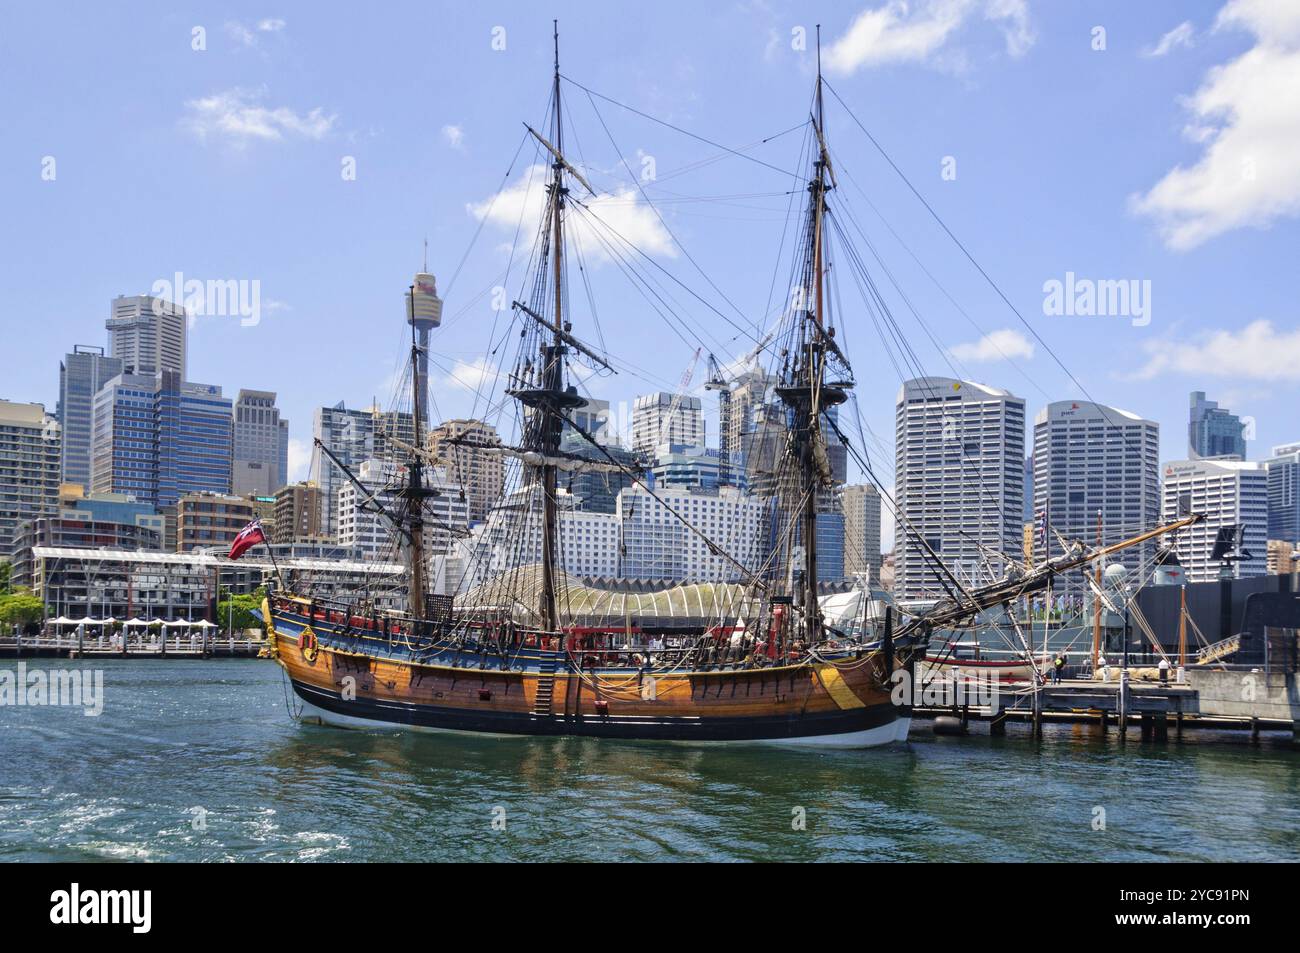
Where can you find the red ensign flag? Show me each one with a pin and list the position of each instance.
(248, 537)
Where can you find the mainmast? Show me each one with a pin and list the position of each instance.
(803, 385)
(545, 391)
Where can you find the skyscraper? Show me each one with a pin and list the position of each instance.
(29, 468)
(1213, 432)
(959, 481)
(81, 374)
(662, 417)
(158, 438)
(1090, 459)
(147, 334)
(1228, 492)
(1283, 469)
(752, 431)
(261, 455)
(352, 436)
(861, 505)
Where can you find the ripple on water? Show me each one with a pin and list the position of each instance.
(176, 736)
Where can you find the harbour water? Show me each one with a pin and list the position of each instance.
(199, 761)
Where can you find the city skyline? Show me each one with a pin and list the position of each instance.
(251, 123)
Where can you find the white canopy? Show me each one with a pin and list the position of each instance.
(64, 620)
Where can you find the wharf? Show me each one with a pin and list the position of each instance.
(1221, 697)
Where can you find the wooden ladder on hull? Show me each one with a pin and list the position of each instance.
(545, 695)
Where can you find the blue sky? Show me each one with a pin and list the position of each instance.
(1171, 155)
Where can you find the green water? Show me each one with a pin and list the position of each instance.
(176, 736)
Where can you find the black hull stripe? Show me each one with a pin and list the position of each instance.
(711, 728)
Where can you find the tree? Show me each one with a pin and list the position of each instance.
(20, 608)
(6, 577)
(239, 609)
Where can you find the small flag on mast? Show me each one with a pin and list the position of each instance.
(248, 537)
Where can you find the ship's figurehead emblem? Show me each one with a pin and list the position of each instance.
(308, 645)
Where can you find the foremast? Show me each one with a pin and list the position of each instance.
(803, 384)
(415, 492)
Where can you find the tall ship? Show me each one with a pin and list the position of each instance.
(527, 650)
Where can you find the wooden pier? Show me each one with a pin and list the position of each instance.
(1154, 707)
(179, 647)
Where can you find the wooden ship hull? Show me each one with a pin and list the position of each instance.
(349, 673)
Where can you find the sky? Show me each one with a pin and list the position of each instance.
(313, 150)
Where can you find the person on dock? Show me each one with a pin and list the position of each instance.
(1058, 667)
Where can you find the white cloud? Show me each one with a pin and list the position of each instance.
(474, 375)
(1258, 351)
(299, 460)
(901, 31)
(236, 117)
(454, 135)
(1179, 36)
(1000, 345)
(1246, 115)
(247, 36)
(620, 213)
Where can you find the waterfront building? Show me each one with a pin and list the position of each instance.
(75, 503)
(125, 584)
(1227, 492)
(664, 418)
(158, 438)
(1213, 432)
(298, 514)
(261, 445)
(656, 545)
(459, 447)
(959, 481)
(352, 436)
(29, 468)
(148, 335)
(860, 503)
(1090, 459)
(81, 374)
